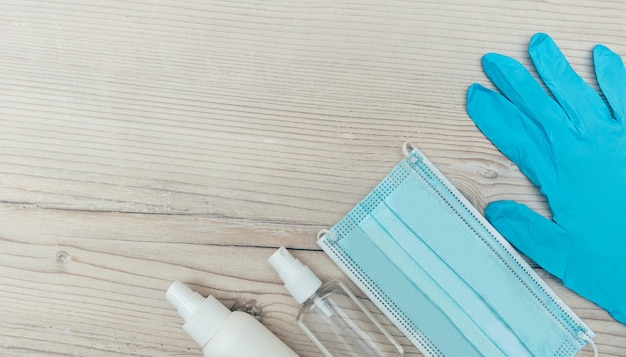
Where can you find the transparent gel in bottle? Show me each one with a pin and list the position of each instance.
(331, 315)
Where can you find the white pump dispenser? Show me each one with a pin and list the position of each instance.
(221, 332)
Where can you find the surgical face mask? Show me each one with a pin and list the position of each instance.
(444, 276)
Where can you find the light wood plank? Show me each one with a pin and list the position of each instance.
(144, 142)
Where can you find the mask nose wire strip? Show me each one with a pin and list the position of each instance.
(590, 341)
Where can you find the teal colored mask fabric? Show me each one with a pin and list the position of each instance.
(444, 276)
(573, 147)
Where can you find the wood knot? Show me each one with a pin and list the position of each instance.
(63, 257)
(487, 173)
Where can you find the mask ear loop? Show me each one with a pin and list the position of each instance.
(327, 232)
(584, 336)
(407, 147)
(407, 150)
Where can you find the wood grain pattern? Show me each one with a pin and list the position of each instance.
(144, 142)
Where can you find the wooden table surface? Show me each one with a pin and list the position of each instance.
(146, 142)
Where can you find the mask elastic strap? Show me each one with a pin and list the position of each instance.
(407, 147)
(327, 232)
(584, 336)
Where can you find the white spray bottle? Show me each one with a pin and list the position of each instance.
(221, 332)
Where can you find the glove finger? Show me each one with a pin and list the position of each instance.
(511, 132)
(519, 86)
(611, 76)
(577, 98)
(542, 240)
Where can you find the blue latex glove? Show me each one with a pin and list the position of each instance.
(574, 149)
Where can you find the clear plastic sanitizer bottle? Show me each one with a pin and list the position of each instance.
(331, 315)
(221, 332)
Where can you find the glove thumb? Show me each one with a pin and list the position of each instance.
(540, 239)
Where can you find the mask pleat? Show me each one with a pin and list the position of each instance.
(411, 302)
(473, 260)
(474, 318)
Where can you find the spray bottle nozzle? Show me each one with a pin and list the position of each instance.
(299, 280)
(185, 300)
